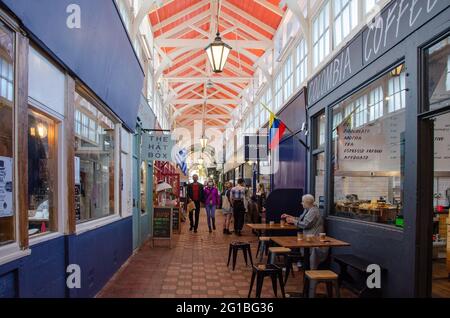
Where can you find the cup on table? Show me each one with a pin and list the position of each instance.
(271, 223)
(299, 236)
(309, 237)
(322, 236)
(283, 222)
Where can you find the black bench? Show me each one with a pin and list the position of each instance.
(359, 265)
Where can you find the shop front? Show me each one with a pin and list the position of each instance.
(378, 128)
(142, 178)
(64, 145)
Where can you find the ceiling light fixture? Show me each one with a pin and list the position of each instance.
(218, 51)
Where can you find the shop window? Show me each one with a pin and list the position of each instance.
(95, 160)
(367, 157)
(397, 92)
(288, 78)
(376, 105)
(143, 187)
(437, 75)
(370, 5)
(7, 215)
(278, 92)
(318, 162)
(42, 174)
(321, 35)
(345, 19)
(302, 63)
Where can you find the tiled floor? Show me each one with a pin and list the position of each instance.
(194, 267)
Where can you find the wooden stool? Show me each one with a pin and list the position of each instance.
(263, 246)
(234, 248)
(260, 272)
(313, 278)
(276, 251)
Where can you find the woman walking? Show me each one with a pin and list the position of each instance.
(211, 195)
(227, 208)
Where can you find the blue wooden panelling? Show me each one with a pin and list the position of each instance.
(99, 253)
(8, 285)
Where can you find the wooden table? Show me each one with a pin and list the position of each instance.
(276, 226)
(293, 243)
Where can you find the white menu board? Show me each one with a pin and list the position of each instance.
(6, 187)
(374, 147)
(442, 143)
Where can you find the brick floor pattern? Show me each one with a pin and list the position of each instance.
(195, 267)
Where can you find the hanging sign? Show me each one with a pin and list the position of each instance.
(6, 197)
(157, 147)
(256, 147)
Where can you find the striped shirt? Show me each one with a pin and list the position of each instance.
(237, 193)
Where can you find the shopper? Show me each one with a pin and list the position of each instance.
(212, 200)
(227, 209)
(261, 197)
(311, 222)
(237, 200)
(195, 193)
(253, 211)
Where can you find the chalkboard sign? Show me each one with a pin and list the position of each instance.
(176, 220)
(162, 221)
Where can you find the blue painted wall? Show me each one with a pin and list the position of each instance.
(292, 161)
(99, 252)
(99, 53)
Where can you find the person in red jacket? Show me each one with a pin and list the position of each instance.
(195, 193)
(212, 200)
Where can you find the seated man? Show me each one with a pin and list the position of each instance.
(311, 222)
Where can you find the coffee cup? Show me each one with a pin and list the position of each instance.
(322, 236)
(309, 237)
(299, 236)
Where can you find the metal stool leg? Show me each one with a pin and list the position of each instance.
(251, 283)
(259, 284)
(280, 278)
(274, 283)
(312, 288)
(250, 255)
(336, 289)
(234, 257)
(229, 255)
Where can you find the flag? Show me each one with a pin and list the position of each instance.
(276, 131)
(180, 159)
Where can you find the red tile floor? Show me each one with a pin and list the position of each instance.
(195, 267)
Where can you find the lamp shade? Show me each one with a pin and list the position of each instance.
(203, 142)
(162, 186)
(218, 52)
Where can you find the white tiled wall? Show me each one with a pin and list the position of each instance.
(367, 188)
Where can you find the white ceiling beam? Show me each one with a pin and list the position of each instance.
(198, 30)
(200, 101)
(179, 15)
(217, 79)
(294, 6)
(184, 25)
(248, 17)
(192, 117)
(269, 6)
(203, 43)
(186, 66)
(244, 27)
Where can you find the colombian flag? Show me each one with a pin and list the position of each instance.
(276, 131)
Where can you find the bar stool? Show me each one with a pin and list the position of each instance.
(263, 247)
(234, 248)
(260, 272)
(315, 277)
(277, 251)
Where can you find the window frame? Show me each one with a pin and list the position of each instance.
(82, 227)
(323, 14)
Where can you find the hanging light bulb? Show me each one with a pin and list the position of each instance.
(42, 130)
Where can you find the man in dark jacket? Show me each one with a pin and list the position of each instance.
(195, 193)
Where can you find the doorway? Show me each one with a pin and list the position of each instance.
(441, 207)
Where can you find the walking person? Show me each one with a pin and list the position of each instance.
(212, 200)
(237, 200)
(227, 209)
(195, 193)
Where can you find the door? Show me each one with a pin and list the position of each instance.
(440, 239)
(136, 194)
